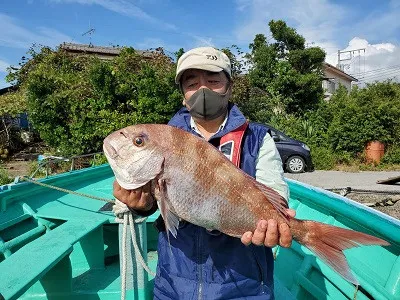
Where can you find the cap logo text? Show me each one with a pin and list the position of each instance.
(212, 57)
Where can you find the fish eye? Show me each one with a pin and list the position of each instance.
(138, 141)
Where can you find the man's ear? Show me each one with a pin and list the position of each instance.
(184, 103)
(231, 83)
(229, 92)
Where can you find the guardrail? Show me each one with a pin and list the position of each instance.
(47, 160)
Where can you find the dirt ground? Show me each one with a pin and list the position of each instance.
(17, 168)
(388, 204)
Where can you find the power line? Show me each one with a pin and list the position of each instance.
(382, 76)
(378, 70)
(381, 73)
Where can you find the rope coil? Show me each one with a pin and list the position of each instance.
(124, 216)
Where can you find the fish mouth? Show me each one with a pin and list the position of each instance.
(109, 150)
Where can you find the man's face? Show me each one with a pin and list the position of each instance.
(194, 79)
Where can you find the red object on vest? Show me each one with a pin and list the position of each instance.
(231, 144)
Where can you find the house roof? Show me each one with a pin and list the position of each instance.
(100, 50)
(8, 89)
(338, 71)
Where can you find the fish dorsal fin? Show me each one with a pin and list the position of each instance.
(273, 197)
(170, 219)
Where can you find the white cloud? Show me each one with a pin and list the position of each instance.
(316, 20)
(3, 83)
(3, 66)
(330, 26)
(242, 5)
(378, 62)
(3, 72)
(16, 36)
(123, 7)
(200, 41)
(395, 3)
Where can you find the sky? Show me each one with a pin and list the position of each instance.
(334, 25)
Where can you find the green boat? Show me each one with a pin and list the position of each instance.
(58, 245)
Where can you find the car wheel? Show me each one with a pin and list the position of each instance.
(295, 164)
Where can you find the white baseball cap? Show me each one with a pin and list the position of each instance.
(203, 58)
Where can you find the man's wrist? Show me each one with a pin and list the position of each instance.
(146, 211)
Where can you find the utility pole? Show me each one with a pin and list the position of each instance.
(349, 58)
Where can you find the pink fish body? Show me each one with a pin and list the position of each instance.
(193, 181)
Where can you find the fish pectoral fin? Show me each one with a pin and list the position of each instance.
(172, 224)
(170, 219)
(273, 197)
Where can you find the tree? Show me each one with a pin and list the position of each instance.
(288, 71)
(237, 58)
(75, 101)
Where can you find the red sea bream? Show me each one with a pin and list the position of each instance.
(192, 180)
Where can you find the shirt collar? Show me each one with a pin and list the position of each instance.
(196, 129)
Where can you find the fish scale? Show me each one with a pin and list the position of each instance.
(193, 181)
(201, 201)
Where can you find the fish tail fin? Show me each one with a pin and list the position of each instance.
(328, 242)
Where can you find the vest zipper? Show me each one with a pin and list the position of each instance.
(260, 270)
(200, 266)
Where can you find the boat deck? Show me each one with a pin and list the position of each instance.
(55, 245)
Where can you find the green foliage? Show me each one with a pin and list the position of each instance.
(4, 177)
(75, 101)
(392, 156)
(236, 56)
(286, 70)
(179, 53)
(98, 160)
(342, 126)
(323, 158)
(365, 115)
(13, 103)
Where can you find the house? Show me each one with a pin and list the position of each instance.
(101, 52)
(333, 78)
(8, 89)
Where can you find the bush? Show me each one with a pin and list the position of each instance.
(392, 156)
(323, 158)
(4, 177)
(365, 115)
(75, 101)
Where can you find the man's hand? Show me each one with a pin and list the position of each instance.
(137, 199)
(268, 234)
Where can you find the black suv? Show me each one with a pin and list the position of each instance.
(295, 155)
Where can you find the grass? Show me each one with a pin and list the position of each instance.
(4, 177)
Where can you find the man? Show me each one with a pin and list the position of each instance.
(200, 264)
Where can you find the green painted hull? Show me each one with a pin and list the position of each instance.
(55, 245)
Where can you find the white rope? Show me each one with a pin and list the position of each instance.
(124, 216)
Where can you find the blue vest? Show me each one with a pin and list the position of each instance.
(211, 265)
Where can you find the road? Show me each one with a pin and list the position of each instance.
(387, 203)
(365, 180)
